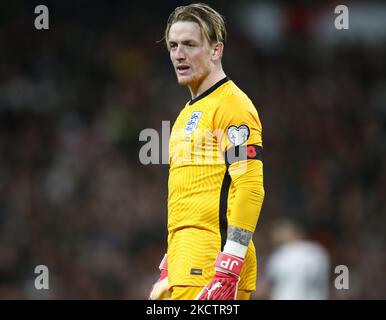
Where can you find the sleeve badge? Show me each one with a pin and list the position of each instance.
(238, 135)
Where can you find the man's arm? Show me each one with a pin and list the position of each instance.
(239, 235)
(237, 241)
(247, 178)
(240, 139)
(249, 195)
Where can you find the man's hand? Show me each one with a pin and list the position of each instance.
(225, 282)
(160, 290)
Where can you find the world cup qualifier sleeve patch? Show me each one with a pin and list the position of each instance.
(238, 135)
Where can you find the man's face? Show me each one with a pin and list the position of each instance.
(190, 53)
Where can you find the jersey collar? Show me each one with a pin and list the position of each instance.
(208, 91)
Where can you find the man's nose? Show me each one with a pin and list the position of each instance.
(180, 54)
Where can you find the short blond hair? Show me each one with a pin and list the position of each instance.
(211, 23)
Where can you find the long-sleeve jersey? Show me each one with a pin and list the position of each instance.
(215, 180)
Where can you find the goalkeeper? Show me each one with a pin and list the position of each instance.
(215, 188)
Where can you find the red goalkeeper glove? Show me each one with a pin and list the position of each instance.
(160, 290)
(225, 282)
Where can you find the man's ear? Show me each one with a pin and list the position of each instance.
(217, 50)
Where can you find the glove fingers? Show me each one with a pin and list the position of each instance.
(221, 289)
(225, 292)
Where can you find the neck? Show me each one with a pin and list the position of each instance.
(206, 83)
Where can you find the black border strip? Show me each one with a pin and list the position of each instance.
(238, 153)
(223, 208)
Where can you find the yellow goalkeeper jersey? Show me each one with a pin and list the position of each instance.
(215, 180)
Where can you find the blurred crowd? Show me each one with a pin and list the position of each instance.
(74, 196)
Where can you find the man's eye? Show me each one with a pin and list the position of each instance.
(173, 45)
(190, 44)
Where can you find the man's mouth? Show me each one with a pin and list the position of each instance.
(182, 68)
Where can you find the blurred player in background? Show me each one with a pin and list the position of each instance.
(298, 269)
(215, 188)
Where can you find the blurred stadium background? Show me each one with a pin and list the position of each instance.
(73, 99)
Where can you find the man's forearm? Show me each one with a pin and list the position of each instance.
(239, 235)
(237, 241)
(249, 197)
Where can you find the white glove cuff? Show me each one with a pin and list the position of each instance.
(235, 249)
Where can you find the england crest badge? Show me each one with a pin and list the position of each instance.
(193, 122)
